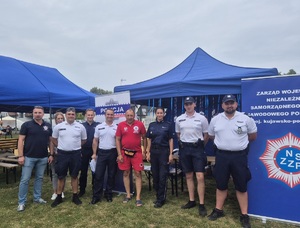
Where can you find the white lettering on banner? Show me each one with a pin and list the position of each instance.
(280, 99)
(116, 109)
(283, 106)
(269, 114)
(265, 93)
(289, 91)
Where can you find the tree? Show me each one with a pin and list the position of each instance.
(99, 91)
(291, 71)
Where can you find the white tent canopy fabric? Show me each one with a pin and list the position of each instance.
(12, 122)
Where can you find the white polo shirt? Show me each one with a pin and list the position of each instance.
(191, 128)
(107, 135)
(69, 136)
(231, 134)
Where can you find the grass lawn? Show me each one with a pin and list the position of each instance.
(115, 214)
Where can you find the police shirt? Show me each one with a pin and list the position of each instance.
(36, 138)
(191, 128)
(90, 130)
(69, 136)
(107, 135)
(160, 133)
(231, 134)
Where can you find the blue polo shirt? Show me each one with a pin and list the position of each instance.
(90, 131)
(160, 133)
(36, 138)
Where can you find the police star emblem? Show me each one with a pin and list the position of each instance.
(282, 159)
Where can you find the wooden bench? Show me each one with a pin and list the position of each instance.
(7, 167)
(8, 144)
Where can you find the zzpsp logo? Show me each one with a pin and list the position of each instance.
(282, 159)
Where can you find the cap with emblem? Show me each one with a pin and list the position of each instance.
(189, 100)
(228, 97)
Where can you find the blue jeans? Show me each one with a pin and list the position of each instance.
(39, 164)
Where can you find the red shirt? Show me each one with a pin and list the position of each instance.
(131, 134)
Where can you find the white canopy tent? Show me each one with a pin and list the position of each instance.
(12, 122)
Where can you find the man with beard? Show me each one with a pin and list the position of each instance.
(232, 131)
(33, 144)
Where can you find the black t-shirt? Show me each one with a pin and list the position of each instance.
(36, 138)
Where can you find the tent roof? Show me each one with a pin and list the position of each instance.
(198, 74)
(24, 85)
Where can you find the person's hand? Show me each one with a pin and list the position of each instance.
(148, 157)
(50, 159)
(94, 156)
(144, 155)
(21, 160)
(170, 158)
(120, 158)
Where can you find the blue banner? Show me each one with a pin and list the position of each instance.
(274, 157)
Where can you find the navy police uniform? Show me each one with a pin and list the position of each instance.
(160, 133)
(86, 154)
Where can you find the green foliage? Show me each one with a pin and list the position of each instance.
(99, 91)
(291, 71)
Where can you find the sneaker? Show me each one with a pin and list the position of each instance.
(40, 201)
(21, 207)
(216, 213)
(53, 197)
(76, 199)
(62, 195)
(57, 201)
(202, 210)
(244, 219)
(189, 205)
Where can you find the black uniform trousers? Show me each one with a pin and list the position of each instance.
(86, 154)
(106, 161)
(160, 171)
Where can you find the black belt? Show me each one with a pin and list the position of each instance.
(231, 151)
(68, 151)
(194, 144)
(107, 149)
(159, 147)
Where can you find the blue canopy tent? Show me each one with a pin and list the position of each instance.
(199, 75)
(24, 85)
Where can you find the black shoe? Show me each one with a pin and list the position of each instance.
(202, 210)
(81, 193)
(216, 213)
(189, 205)
(76, 199)
(58, 200)
(244, 219)
(158, 204)
(155, 201)
(109, 199)
(94, 201)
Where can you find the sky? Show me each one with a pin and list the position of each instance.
(107, 43)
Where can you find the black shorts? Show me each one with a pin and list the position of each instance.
(67, 160)
(192, 159)
(234, 164)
